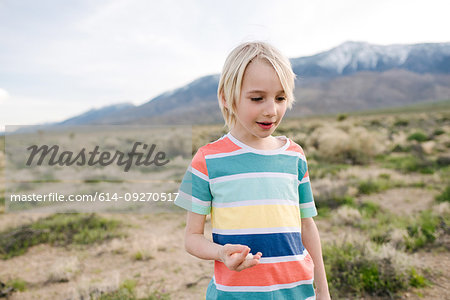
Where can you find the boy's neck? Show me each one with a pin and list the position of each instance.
(267, 143)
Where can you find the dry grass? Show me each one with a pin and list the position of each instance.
(151, 259)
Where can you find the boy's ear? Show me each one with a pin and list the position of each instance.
(223, 101)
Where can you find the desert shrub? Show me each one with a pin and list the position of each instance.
(384, 176)
(438, 131)
(369, 209)
(334, 201)
(357, 269)
(424, 230)
(375, 123)
(372, 186)
(443, 161)
(342, 117)
(346, 215)
(401, 123)
(444, 196)
(407, 163)
(142, 255)
(17, 284)
(418, 136)
(57, 229)
(379, 235)
(321, 170)
(127, 291)
(401, 148)
(429, 229)
(325, 204)
(64, 269)
(355, 146)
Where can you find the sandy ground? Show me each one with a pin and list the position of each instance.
(74, 272)
(166, 266)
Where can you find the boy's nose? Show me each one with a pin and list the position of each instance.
(270, 109)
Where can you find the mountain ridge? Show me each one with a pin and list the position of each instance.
(351, 76)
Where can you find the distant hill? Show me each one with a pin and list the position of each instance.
(353, 76)
(95, 114)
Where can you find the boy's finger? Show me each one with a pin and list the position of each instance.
(248, 263)
(232, 248)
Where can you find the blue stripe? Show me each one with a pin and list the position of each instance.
(251, 162)
(302, 168)
(305, 193)
(269, 244)
(303, 291)
(195, 186)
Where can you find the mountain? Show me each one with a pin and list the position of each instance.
(352, 76)
(352, 57)
(367, 90)
(197, 99)
(93, 115)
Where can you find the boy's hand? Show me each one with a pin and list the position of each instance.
(233, 256)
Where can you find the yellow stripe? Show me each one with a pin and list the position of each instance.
(256, 216)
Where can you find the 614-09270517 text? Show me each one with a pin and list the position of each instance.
(101, 197)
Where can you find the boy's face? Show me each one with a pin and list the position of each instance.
(262, 103)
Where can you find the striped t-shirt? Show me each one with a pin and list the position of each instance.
(256, 198)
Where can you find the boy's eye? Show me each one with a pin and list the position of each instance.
(256, 98)
(281, 98)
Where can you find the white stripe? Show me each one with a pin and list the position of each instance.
(311, 298)
(298, 154)
(304, 180)
(194, 200)
(242, 151)
(258, 151)
(269, 288)
(307, 205)
(253, 175)
(256, 202)
(198, 173)
(277, 259)
(257, 230)
(219, 155)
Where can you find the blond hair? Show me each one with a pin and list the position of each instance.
(229, 89)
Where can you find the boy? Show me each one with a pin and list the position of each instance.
(256, 188)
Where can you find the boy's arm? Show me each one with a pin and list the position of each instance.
(311, 241)
(232, 255)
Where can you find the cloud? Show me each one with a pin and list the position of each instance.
(4, 95)
(84, 53)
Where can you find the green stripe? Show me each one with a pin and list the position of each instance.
(308, 212)
(195, 186)
(255, 188)
(305, 193)
(189, 205)
(251, 162)
(299, 292)
(302, 168)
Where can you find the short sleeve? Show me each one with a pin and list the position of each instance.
(194, 192)
(306, 199)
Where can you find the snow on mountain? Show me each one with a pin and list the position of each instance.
(362, 55)
(351, 57)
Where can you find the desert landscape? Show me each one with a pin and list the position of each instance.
(381, 182)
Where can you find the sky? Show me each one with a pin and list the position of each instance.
(62, 58)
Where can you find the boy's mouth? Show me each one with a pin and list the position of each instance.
(265, 125)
